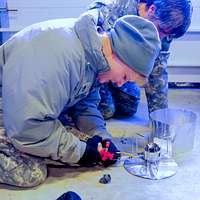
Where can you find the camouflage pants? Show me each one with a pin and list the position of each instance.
(16, 168)
(19, 169)
(23, 170)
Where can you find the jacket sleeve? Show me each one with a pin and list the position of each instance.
(87, 117)
(157, 86)
(49, 139)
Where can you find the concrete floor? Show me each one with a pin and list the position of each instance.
(185, 185)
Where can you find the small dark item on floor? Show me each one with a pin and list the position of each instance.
(105, 179)
(69, 196)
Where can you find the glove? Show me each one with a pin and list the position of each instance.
(112, 155)
(91, 155)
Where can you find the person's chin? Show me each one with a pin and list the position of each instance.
(103, 81)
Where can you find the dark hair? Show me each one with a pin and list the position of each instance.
(174, 15)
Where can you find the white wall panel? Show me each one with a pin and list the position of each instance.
(26, 12)
(185, 52)
(195, 25)
(48, 3)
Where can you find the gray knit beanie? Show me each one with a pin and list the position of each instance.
(136, 42)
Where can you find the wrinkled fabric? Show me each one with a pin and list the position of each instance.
(49, 68)
(157, 88)
(107, 104)
(19, 169)
(132, 36)
(126, 99)
(158, 81)
(16, 168)
(119, 101)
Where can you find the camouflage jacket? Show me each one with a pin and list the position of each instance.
(157, 88)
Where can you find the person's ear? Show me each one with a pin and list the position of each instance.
(151, 10)
(106, 46)
(142, 10)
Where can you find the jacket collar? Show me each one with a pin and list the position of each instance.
(85, 29)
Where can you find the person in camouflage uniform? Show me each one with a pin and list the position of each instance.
(34, 130)
(17, 168)
(124, 101)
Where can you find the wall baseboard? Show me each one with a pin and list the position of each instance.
(184, 74)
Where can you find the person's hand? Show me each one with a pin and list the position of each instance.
(91, 155)
(110, 154)
(99, 151)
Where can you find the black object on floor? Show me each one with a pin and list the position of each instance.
(105, 179)
(69, 196)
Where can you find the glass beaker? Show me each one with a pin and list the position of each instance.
(174, 131)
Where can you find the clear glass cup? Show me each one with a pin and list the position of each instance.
(174, 131)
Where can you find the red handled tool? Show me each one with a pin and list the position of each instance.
(105, 154)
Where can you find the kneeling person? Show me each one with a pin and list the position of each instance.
(51, 67)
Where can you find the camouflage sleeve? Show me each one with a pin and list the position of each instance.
(111, 10)
(157, 87)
